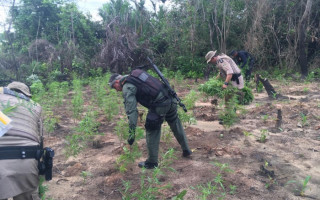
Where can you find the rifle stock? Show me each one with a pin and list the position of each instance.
(166, 82)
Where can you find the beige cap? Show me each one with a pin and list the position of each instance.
(210, 55)
(20, 87)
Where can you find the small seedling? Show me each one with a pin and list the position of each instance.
(233, 189)
(271, 182)
(302, 188)
(304, 119)
(265, 118)
(85, 175)
(304, 185)
(263, 136)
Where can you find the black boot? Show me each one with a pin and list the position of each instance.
(148, 165)
(186, 153)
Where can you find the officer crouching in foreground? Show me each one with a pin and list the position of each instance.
(140, 87)
(22, 156)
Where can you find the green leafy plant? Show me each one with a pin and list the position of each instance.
(150, 186)
(166, 134)
(229, 114)
(180, 195)
(271, 182)
(186, 117)
(213, 87)
(85, 175)
(304, 120)
(86, 129)
(77, 99)
(217, 187)
(42, 188)
(247, 134)
(128, 156)
(190, 99)
(246, 97)
(301, 188)
(259, 87)
(111, 104)
(304, 185)
(265, 118)
(263, 135)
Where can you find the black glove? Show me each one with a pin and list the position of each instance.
(131, 139)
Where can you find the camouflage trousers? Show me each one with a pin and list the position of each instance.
(154, 121)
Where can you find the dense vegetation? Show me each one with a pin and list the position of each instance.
(52, 39)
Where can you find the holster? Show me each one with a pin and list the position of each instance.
(235, 77)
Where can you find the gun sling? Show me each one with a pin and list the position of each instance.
(20, 152)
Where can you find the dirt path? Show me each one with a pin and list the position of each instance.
(261, 170)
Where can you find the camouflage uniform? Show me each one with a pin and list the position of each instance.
(166, 109)
(19, 178)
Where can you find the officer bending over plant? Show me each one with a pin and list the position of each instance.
(140, 87)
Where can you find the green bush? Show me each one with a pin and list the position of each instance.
(213, 87)
(247, 96)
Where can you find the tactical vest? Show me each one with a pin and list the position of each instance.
(148, 87)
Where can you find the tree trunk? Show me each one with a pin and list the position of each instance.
(269, 88)
(10, 42)
(301, 47)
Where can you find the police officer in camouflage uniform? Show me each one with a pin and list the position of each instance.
(140, 87)
(19, 174)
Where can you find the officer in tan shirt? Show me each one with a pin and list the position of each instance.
(19, 174)
(226, 66)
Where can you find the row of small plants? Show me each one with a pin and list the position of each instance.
(77, 98)
(49, 98)
(104, 100)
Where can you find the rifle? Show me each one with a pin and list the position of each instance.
(165, 81)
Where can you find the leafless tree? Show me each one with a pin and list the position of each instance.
(301, 47)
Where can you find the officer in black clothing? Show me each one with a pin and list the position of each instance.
(245, 61)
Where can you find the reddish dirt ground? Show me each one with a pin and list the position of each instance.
(271, 170)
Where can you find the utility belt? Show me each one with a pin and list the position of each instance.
(235, 77)
(44, 156)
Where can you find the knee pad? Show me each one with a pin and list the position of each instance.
(171, 117)
(153, 122)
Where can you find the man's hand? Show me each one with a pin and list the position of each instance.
(224, 86)
(131, 139)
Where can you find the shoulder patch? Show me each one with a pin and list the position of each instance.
(220, 60)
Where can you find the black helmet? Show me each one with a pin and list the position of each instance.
(113, 79)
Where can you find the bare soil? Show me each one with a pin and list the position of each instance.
(261, 170)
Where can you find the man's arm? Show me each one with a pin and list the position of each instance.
(130, 104)
(227, 81)
(244, 59)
